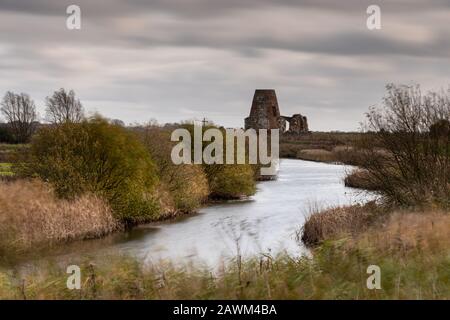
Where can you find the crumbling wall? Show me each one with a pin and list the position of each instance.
(265, 114)
(298, 124)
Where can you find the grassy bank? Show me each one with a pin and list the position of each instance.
(32, 216)
(329, 147)
(361, 179)
(99, 177)
(411, 249)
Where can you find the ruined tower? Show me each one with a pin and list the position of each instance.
(265, 114)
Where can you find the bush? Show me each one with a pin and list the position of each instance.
(231, 181)
(227, 181)
(96, 157)
(186, 185)
(407, 152)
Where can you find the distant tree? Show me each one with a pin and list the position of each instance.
(20, 113)
(117, 122)
(440, 129)
(5, 134)
(63, 107)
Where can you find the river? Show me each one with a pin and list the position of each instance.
(266, 223)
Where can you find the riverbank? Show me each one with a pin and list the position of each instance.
(179, 191)
(125, 176)
(33, 218)
(327, 147)
(410, 248)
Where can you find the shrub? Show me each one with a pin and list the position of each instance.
(184, 187)
(407, 153)
(231, 181)
(96, 157)
(227, 181)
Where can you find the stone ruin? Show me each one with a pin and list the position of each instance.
(265, 114)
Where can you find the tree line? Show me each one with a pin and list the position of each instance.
(19, 111)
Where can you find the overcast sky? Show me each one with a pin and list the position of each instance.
(183, 59)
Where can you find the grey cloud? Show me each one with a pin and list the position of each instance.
(204, 8)
(172, 59)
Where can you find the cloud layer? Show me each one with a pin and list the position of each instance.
(184, 59)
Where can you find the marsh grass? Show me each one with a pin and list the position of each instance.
(329, 147)
(320, 155)
(339, 154)
(336, 222)
(360, 179)
(31, 216)
(5, 169)
(411, 248)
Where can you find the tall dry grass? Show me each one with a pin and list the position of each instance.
(405, 231)
(339, 154)
(372, 226)
(320, 155)
(31, 215)
(361, 179)
(411, 249)
(340, 221)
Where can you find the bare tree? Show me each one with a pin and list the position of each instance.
(117, 122)
(407, 152)
(63, 107)
(20, 113)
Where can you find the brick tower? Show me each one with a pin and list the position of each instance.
(264, 113)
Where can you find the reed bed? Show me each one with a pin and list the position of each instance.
(411, 249)
(31, 215)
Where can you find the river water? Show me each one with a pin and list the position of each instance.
(266, 223)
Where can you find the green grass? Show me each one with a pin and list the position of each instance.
(5, 169)
(333, 273)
